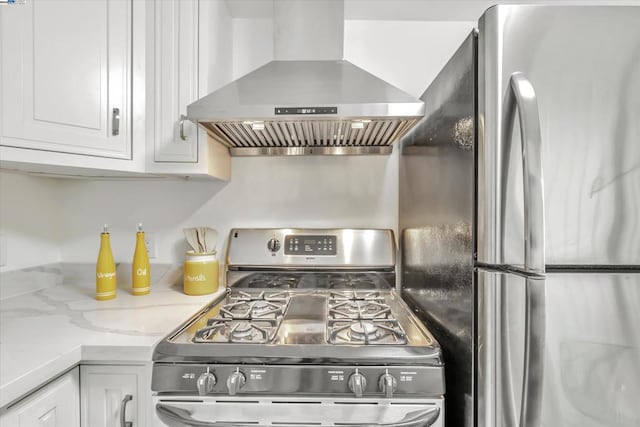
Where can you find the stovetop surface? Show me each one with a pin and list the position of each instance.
(308, 325)
(305, 296)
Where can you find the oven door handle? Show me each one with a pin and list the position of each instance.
(178, 417)
(412, 419)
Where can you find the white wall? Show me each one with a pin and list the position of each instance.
(31, 213)
(407, 54)
(263, 192)
(271, 191)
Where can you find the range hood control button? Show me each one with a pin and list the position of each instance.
(273, 245)
(357, 384)
(205, 383)
(387, 384)
(235, 382)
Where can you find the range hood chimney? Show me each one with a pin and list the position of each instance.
(308, 30)
(308, 100)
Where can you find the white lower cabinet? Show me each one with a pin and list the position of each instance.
(114, 395)
(57, 404)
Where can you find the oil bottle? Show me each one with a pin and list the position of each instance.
(105, 269)
(140, 271)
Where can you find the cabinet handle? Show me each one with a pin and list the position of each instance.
(182, 135)
(123, 408)
(115, 121)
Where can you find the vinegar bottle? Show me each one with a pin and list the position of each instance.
(140, 272)
(105, 269)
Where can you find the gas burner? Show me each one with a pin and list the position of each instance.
(246, 318)
(373, 331)
(249, 310)
(262, 307)
(242, 330)
(358, 309)
(267, 281)
(237, 331)
(237, 310)
(350, 281)
(237, 295)
(355, 295)
(363, 331)
(247, 331)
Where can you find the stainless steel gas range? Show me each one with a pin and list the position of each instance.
(309, 333)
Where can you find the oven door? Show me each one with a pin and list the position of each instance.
(174, 411)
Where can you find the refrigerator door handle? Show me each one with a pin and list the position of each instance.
(531, 404)
(521, 94)
(534, 325)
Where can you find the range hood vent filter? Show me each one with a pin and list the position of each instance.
(277, 137)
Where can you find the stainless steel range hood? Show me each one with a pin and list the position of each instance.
(306, 101)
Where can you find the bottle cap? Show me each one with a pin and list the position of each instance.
(105, 228)
(139, 227)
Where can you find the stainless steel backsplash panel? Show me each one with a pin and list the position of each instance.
(436, 223)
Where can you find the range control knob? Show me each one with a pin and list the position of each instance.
(357, 384)
(205, 383)
(387, 384)
(273, 245)
(235, 381)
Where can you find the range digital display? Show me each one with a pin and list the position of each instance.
(305, 110)
(310, 245)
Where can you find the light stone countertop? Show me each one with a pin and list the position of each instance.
(50, 321)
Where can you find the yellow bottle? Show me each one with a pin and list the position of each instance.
(140, 271)
(105, 269)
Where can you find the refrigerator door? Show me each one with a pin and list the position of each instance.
(591, 350)
(583, 63)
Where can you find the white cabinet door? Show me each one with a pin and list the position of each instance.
(66, 76)
(108, 390)
(176, 79)
(55, 405)
(180, 62)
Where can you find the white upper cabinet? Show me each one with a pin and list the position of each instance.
(176, 79)
(182, 58)
(66, 84)
(97, 88)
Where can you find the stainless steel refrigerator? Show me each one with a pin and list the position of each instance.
(531, 285)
